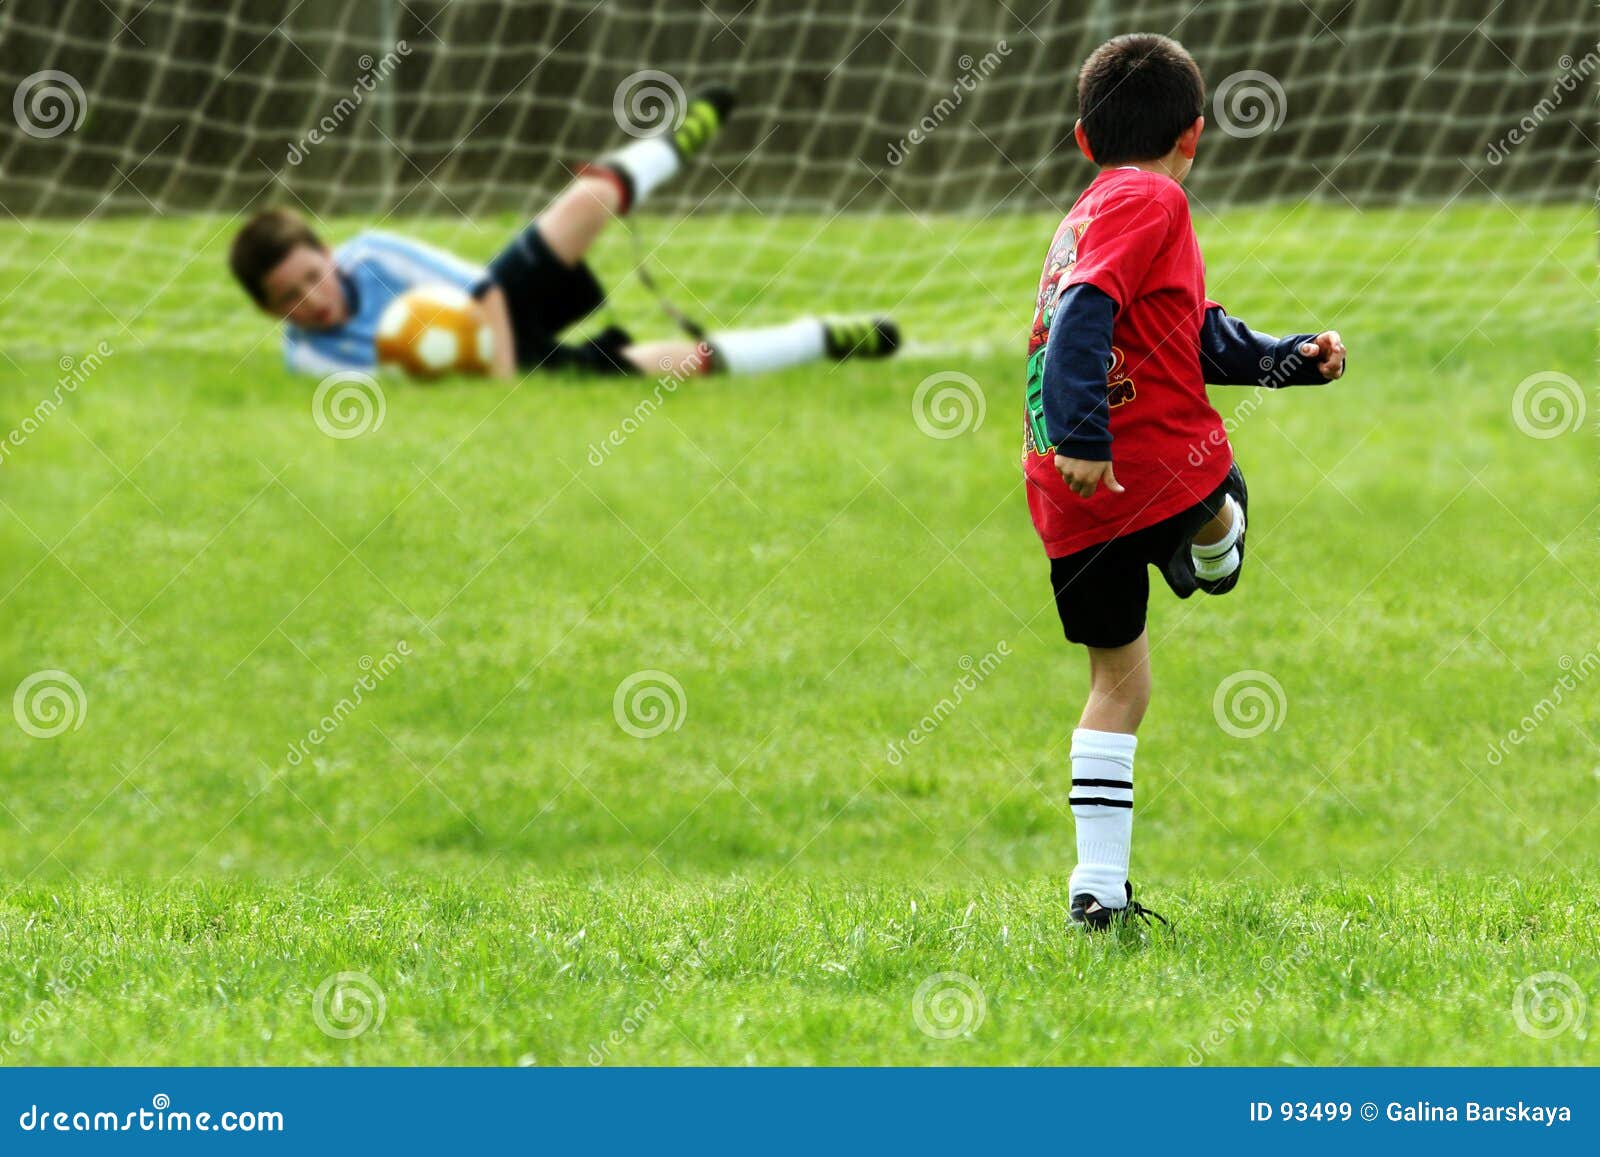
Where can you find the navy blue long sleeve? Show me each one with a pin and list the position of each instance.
(1077, 415)
(1233, 354)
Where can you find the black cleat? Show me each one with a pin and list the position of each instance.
(861, 337)
(1241, 495)
(1096, 917)
(708, 110)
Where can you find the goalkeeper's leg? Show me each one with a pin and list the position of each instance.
(609, 187)
(773, 347)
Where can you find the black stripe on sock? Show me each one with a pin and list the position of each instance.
(1128, 783)
(1101, 802)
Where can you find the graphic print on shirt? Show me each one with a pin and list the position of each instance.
(1119, 386)
(1052, 284)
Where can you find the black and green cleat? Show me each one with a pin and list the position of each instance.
(861, 337)
(708, 110)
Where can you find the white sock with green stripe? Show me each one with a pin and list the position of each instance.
(1102, 810)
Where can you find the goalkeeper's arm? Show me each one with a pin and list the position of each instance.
(498, 316)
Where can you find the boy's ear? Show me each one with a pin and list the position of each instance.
(1082, 138)
(1190, 137)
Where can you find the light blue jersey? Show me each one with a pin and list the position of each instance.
(375, 268)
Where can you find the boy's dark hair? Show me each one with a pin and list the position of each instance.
(266, 239)
(1136, 95)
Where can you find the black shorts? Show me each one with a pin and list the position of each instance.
(544, 296)
(1102, 591)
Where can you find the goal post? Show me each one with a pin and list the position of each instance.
(144, 128)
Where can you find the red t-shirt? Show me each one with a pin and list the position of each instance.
(1130, 236)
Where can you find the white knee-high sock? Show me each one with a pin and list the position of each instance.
(1217, 560)
(1102, 809)
(648, 164)
(750, 351)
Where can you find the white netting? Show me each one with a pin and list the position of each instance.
(884, 153)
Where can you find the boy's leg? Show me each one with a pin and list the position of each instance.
(1217, 549)
(679, 358)
(770, 347)
(1102, 594)
(570, 223)
(1217, 529)
(610, 187)
(1102, 770)
(542, 274)
(1203, 548)
(1119, 687)
(1215, 545)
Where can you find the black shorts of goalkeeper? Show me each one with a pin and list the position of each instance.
(544, 297)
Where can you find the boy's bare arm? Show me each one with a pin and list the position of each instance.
(499, 318)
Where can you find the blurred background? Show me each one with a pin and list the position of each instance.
(453, 112)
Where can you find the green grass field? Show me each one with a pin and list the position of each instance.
(519, 879)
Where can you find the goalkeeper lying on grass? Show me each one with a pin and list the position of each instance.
(331, 300)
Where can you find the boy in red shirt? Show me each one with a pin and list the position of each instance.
(1123, 344)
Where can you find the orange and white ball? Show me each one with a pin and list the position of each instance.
(434, 330)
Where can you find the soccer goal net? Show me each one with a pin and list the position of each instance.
(886, 154)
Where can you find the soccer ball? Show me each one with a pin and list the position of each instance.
(434, 330)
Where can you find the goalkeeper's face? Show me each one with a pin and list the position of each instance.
(304, 290)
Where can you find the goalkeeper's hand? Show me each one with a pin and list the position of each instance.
(1329, 352)
(1083, 475)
